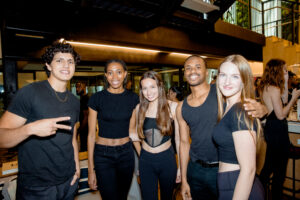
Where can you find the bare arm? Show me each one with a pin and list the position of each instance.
(183, 152)
(13, 129)
(280, 111)
(177, 138)
(244, 143)
(76, 156)
(133, 132)
(92, 123)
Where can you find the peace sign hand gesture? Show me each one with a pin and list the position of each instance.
(47, 127)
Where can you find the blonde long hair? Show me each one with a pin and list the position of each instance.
(247, 92)
(163, 118)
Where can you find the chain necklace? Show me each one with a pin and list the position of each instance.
(59, 99)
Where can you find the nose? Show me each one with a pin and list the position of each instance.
(227, 80)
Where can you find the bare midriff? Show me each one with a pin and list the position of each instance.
(157, 149)
(112, 141)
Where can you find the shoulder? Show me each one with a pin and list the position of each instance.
(173, 105)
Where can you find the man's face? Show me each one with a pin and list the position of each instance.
(195, 71)
(62, 67)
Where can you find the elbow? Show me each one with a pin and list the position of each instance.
(249, 171)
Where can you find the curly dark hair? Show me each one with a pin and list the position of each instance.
(57, 47)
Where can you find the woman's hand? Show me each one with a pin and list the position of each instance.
(178, 176)
(92, 180)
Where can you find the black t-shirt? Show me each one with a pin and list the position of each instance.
(201, 121)
(222, 133)
(113, 112)
(45, 161)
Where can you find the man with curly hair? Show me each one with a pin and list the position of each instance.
(40, 121)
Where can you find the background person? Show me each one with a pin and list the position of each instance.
(111, 159)
(272, 87)
(83, 116)
(152, 124)
(175, 94)
(40, 121)
(236, 133)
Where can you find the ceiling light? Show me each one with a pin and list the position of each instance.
(30, 36)
(112, 46)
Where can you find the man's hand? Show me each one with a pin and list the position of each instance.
(75, 177)
(47, 127)
(254, 108)
(185, 191)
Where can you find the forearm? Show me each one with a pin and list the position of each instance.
(76, 155)
(184, 159)
(12, 137)
(137, 146)
(91, 147)
(244, 184)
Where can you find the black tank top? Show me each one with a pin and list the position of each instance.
(201, 121)
(153, 136)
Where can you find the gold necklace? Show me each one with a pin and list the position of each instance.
(61, 100)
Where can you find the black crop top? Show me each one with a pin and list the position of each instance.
(153, 136)
(222, 133)
(113, 112)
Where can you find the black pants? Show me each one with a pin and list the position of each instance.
(276, 163)
(227, 182)
(114, 170)
(63, 191)
(154, 168)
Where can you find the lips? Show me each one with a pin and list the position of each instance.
(193, 76)
(65, 72)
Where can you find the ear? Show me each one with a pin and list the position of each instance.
(125, 73)
(48, 67)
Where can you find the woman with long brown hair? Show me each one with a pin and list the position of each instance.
(273, 89)
(151, 126)
(237, 133)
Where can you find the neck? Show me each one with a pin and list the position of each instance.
(58, 86)
(199, 90)
(116, 90)
(153, 105)
(232, 100)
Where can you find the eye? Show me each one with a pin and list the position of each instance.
(71, 62)
(109, 73)
(58, 60)
(221, 75)
(236, 76)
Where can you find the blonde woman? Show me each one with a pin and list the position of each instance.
(237, 133)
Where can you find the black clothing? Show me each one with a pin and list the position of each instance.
(114, 167)
(83, 129)
(222, 133)
(227, 182)
(157, 168)
(63, 191)
(153, 136)
(202, 120)
(45, 161)
(114, 112)
(278, 143)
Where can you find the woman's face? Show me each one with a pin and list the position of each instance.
(115, 75)
(285, 73)
(172, 95)
(229, 80)
(149, 89)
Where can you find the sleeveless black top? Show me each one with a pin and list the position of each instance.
(153, 136)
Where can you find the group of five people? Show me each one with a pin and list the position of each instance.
(216, 130)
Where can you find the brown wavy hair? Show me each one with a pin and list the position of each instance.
(163, 118)
(273, 75)
(247, 92)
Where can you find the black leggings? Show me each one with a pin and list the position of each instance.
(114, 170)
(154, 168)
(227, 182)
